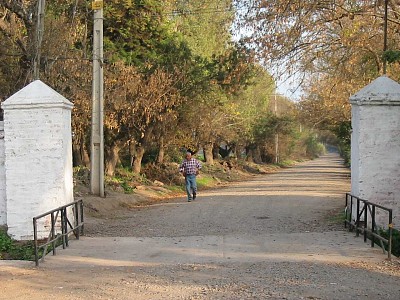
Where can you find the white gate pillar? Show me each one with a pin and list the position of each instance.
(38, 157)
(375, 146)
(3, 199)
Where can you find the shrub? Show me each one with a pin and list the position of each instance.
(10, 249)
(395, 240)
(313, 147)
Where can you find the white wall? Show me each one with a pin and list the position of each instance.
(375, 160)
(3, 199)
(355, 151)
(37, 123)
(379, 162)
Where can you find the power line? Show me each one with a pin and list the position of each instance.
(197, 12)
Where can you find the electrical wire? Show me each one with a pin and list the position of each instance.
(173, 13)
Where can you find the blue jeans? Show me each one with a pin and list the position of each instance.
(191, 186)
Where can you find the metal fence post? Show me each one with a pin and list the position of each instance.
(66, 225)
(365, 220)
(358, 217)
(63, 229)
(53, 232)
(76, 221)
(373, 226)
(390, 235)
(351, 211)
(36, 242)
(346, 210)
(81, 209)
(53, 236)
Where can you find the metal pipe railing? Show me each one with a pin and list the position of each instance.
(368, 208)
(54, 237)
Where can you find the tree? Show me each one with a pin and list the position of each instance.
(173, 78)
(205, 24)
(336, 45)
(252, 104)
(63, 65)
(17, 34)
(301, 33)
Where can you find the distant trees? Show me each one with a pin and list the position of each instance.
(336, 45)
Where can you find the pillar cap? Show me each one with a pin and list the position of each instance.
(381, 91)
(36, 94)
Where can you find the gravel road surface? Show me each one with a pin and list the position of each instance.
(273, 237)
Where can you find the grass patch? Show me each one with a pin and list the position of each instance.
(205, 181)
(175, 188)
(286, 163)
(337, 217)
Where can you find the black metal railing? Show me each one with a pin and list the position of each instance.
(365, 208)
(59, 222)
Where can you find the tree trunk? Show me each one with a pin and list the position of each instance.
(208, 153)
(132, 152)
(80, 155)
(249, 154)
(215, 151)
(112, 159)
(76, 155)
(161, 151)
(256, 155)
(234, 151)
(85, 156)
(138, 148)
(137, 161)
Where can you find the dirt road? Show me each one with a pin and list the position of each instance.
(273, 237)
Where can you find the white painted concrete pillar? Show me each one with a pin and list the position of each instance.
(38, 157)
(3, 199)
(375, 146)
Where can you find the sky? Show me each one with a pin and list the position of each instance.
(289, 88)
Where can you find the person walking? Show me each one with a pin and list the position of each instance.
(190, 169)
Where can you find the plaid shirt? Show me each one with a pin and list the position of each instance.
(190, 167)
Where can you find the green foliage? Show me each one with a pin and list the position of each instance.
(205, 181)
(137, 34)
(395, 240)
(5, 242)
(176, 76)
(391, 56)
(175, 188)
(10, 249)
(286, 163)
(126, 179)
(313, 147)
(270, 124)
(82, 174)
(205, 25)
(343, 133)
(337, 218)
(233, 69)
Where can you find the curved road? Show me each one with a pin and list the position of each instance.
(273, 237)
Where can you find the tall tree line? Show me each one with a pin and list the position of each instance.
(173, 77)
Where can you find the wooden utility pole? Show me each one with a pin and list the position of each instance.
(39, 38)
(385, 29)
(97, 135)
(276, 134)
